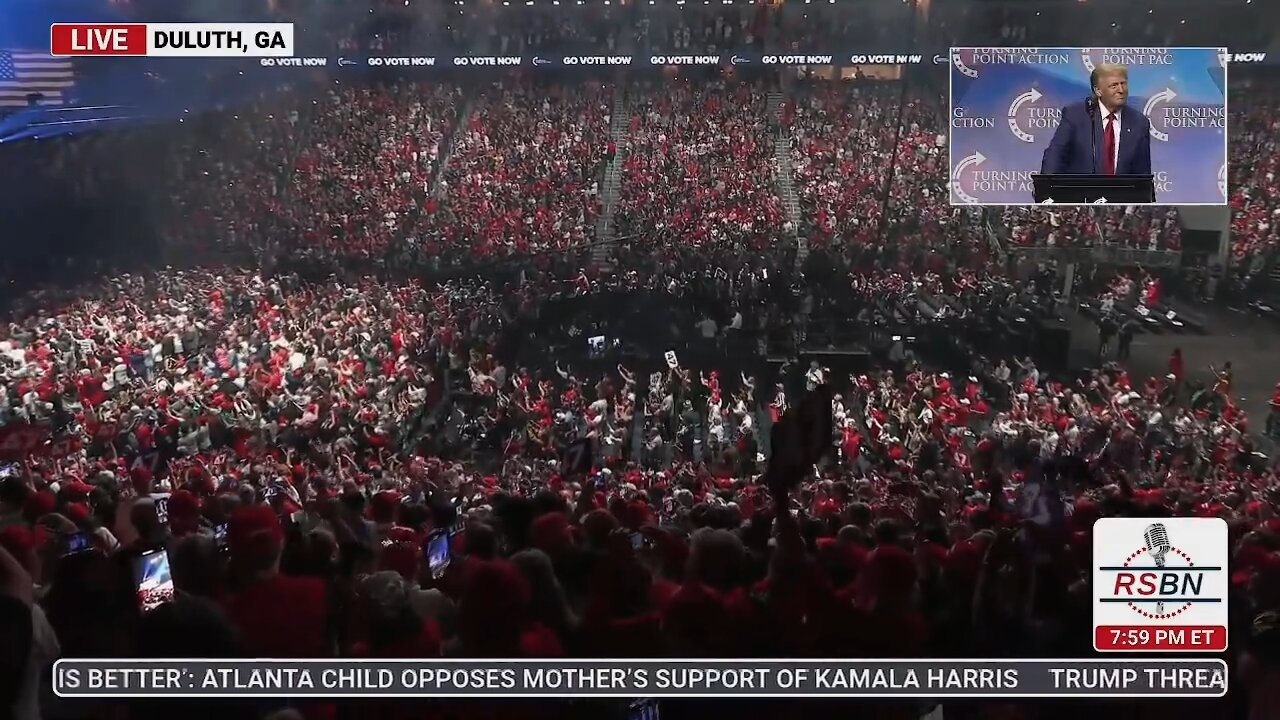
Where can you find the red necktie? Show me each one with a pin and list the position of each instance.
(1109, 147)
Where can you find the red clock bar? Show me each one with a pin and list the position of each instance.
(1137, 638)
(97, 39)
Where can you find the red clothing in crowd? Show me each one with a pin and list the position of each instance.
(282, 617)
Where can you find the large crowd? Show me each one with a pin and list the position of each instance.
(524, 176)
(698, 169)
(1253, 184)
(378, 175)
(178, 404)
(293, 439)
(1131, 227)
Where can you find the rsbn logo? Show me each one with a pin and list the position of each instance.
(1159, 579)
(1160, 584)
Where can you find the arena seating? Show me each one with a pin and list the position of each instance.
(698, 170)
(524, 173)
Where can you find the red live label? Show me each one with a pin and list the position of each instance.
(97, 39)
(1205, 638)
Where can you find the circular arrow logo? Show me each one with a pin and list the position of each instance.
(1086, 59)
(1025, 101)
(958, 60)
(1222, 180)
(965, 163)
(1164, 96)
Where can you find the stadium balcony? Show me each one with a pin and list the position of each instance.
(698, 170)
(524, 171)
(1067, 23)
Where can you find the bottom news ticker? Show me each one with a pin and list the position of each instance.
(196, 678)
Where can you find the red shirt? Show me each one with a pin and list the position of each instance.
(282, 617)
(425, 645)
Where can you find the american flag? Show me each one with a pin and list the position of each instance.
(23, 72)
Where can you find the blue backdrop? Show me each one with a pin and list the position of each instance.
(1006, 103)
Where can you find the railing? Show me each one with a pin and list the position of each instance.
(784, 181)
(1116, 255)
(612, 184)
(992, 228)
(1043, 254)
(1103, 255)
(458, 131)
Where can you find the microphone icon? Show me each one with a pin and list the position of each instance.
(1156, 537)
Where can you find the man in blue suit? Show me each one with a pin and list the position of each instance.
(1122, 134)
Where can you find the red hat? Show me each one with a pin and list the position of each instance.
(183, 503)
(383, 506)
(550, 532)
(251, 528)
(76, 491)
(141, 478)
(964, 561)
(1085, 513)
(38, 505)
(77, 512)
(399, 533)
(639, 514)
(18, 540)
(401, 557)
(184, 512)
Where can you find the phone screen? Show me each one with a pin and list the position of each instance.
(643, 709)
(220, 536)
(78, 543)
(162, 507)
(155, 582)
(437, 550)
(637, 540)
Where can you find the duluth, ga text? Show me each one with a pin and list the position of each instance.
(217, 40)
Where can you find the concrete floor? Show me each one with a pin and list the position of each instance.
(1250, 343)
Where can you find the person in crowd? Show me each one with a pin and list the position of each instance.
(1106, 333)
(1125, 335)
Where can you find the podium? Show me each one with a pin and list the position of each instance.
(1094, 189)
